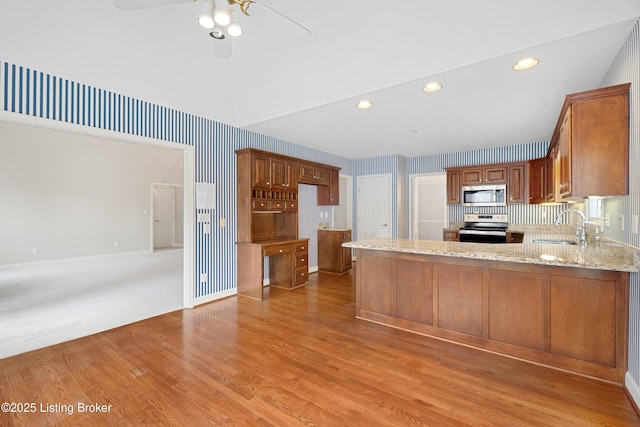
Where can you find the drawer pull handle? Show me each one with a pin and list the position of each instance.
(280, 250)
(302, 260)
(302, 248)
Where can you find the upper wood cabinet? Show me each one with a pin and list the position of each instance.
(260, 170)
(329, 195)
(518, 182)
(590, 144)
(268, 193)
(284, 174)
(273, 172)
(538, 181)
(315, 174)
(515, 175)
(484, 175)
(453, 187)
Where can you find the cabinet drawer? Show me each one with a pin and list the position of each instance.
(451, 236)
(261, 205)
(277, 250)
(300, 275)
(290, 206)
(277, 205)
(301, 247)
(302, 259)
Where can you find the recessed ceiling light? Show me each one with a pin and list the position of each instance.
(525, 64)
(432, 87)
(364, 104)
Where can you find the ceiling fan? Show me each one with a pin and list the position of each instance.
(221, 18)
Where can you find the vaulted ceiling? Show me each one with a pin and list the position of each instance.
(306, 92)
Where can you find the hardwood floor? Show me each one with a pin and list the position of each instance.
(297, 358)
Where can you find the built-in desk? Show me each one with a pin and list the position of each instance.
(288, 265)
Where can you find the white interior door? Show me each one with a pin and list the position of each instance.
(429, 206)
(164, 216)
(374, 206)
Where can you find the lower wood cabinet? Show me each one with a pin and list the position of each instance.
(332, 257)
(288, 265)
(569, 318)
(450, 235)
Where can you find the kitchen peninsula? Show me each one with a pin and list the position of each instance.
(561, 306)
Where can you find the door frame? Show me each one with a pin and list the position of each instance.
(188, 154)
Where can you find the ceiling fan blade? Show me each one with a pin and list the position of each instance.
(300, 32)
(144, 4)
(222, 46)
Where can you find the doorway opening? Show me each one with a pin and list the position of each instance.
(429, 212)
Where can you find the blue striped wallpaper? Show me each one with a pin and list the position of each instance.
(34, 93)
(626, 68)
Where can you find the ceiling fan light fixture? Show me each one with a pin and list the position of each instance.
(217, 33)
(206, 15)
(221, 13)
(234, 29)
(525, 64)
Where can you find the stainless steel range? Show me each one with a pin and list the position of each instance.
(484, 228)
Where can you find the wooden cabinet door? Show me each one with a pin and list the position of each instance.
(471, 176)
(599, 135)
(260, 171)
(517, 187)
(322, 176)
(564, 147)
(453, 187)
(277, 173)
(307, 173)
(329, 195)
(537, 180)
(495, 175)
(550, 178)
(291, 175)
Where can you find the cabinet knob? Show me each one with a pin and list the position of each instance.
(280, 250)
(302, 260)
(302, 247)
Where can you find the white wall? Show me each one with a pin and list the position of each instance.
(72, 195)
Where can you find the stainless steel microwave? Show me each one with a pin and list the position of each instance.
(485, 195)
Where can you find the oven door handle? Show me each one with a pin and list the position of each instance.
(483, 232)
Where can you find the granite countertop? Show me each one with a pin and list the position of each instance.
(607, 255)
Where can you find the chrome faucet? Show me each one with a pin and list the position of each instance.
(581, 229)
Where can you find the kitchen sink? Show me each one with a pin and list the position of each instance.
(554, 241)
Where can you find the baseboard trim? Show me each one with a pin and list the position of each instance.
(215, 296)
(632, 389)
